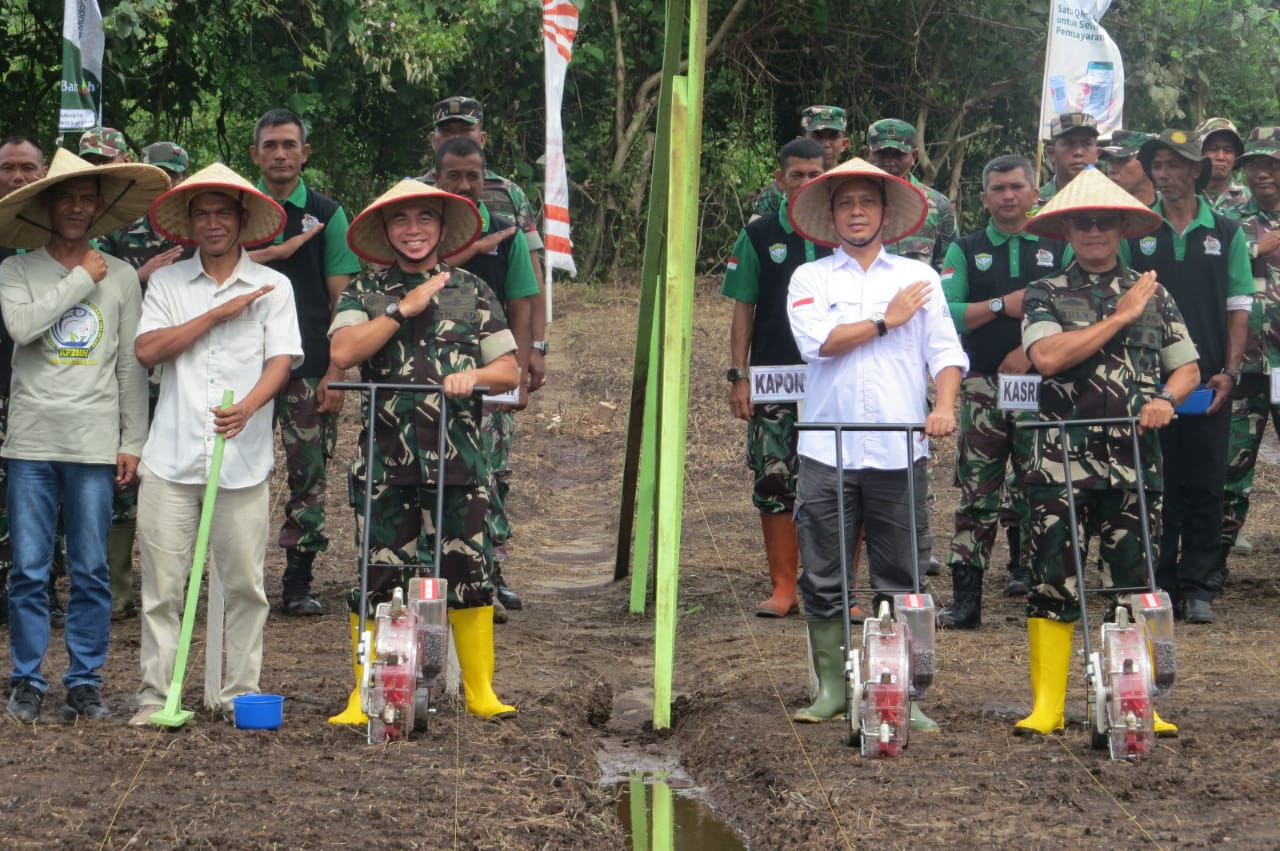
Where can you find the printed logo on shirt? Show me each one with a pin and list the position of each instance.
(982, 261)
(76, 334)
(1044, 257)
(1147, 245)
(802, 302)
(309, 223)
(1212, 246)
(778, 252)
(733, 264)
(948, 273)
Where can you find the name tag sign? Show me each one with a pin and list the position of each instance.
(777, 383)
(1019, 393)
(511, 397)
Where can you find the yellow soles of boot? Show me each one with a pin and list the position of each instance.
(1026, 727)
(498, 712)
(808, 716)
(1164, 729)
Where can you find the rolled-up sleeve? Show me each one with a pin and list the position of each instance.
(942, 346)
(807, 310)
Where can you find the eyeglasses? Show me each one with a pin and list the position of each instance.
(1086, 223)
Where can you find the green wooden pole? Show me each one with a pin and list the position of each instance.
(649, 448)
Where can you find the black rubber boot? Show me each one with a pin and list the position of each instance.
(297, 599)
(965, 611)
(509, 599)
(1019, 575)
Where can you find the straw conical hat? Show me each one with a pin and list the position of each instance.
(171, 218)
(127, 189)
(1092, 192)
(810, 208)
(367, 235)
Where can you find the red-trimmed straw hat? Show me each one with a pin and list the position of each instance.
(127, 188)
(170, 213)
(367, 235)
(1092, 192)
(810, 208)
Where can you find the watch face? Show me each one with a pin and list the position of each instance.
(877, 317)
(996, 304)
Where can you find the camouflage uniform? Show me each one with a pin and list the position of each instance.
(1236, 194)
(504, 198)
(770, 199)
(463, 328)
(1116, 381)
(1059, 126)
(813, 119)
(929, 244)
(1251, 404)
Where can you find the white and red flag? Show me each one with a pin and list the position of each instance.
(559, 27)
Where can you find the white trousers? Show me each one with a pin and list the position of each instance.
(168, 520)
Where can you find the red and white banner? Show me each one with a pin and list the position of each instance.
(559, 27)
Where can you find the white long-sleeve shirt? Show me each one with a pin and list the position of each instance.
(881, 381)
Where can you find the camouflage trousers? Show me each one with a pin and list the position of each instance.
(1250, 410)
(771, 455)
(308, 439)
(497, 434)
(402, 540)
(992, 455)
(1111, 515)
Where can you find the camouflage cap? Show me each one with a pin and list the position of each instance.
(1181, 143)
(102, 142)
(893, 133)
(1061, 125)
(822, 118)
(1263, 142)
(1209, 126)
(1125, 144)
(166, 155)
(458, 108)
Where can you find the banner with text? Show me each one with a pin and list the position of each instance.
(1083, 71)
(83, 42)
(559, 28)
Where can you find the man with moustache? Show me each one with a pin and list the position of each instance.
(1220, 141)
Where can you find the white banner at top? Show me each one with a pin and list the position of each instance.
(559, 28)
(1083, 71)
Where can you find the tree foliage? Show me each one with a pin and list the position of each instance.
(364, 74)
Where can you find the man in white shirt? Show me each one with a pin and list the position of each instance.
(215, 322)
(869, 324)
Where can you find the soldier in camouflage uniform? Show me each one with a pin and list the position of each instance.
(464, 116)
(1220, 141)
(1104, 338)
(1119, 161)
(824, 125)
(1072, 148)
(891, 145)
(1251, 403)
(422, 322)
(985, 278)
(104, 145)
(146, 251)
(767, 251)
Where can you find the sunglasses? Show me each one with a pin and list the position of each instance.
(1086, 223)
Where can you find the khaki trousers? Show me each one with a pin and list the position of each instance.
(168, 519)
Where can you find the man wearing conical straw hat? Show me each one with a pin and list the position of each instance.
(869, 324)
(78, 409)
(215, 322)
(1106, 339)
(422, 322)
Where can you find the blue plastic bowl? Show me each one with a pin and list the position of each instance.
(1197, 402)
(259, 711)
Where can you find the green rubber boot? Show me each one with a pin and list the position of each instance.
(921, 723)
(826, 650)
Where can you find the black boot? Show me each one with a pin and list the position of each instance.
(1019, 575)
(508, 598)
(297, 599)
(965, 611)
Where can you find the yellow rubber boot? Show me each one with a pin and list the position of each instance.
(783, 552)
(1050, 666)
(1164, 729)
(353, 714)
(473, 638)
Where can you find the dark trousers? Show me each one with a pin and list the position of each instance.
(874, 500)
(1195, 466)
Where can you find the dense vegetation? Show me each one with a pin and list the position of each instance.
(365, 72)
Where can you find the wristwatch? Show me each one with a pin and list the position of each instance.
(1233, 374)
(735, 374)
(1168, 397)
(540, 345)
(878, 318)
(392, 311)
(997, 306)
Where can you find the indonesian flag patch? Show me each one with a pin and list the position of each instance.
(802, 302)
(733, 264)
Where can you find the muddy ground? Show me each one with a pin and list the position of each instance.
(580, 669)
